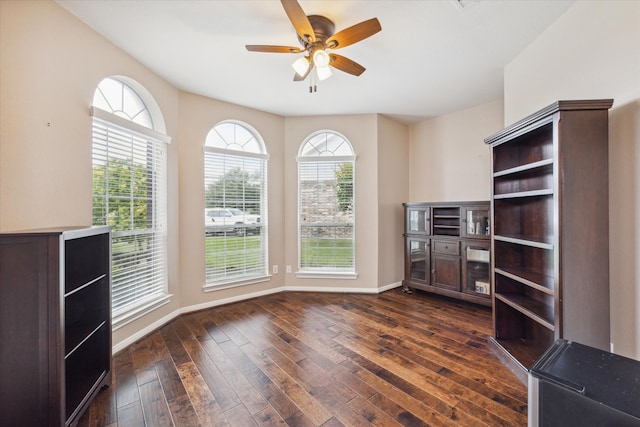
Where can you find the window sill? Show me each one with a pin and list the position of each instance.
(148, 306)
(349, 275)
(235, 283)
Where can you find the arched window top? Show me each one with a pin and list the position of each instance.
(235, 136)
(116, 96)
(326, 144)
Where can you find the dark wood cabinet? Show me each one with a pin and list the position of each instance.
(55, 324)
(550, 264)
(447, 249)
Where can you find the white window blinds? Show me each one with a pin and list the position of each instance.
(130, 194)
(235, 223)
(326, 205)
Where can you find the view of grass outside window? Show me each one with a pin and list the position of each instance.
(234, 220)
(326, 205)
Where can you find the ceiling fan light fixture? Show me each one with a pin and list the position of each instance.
(301, 65)
(321, 58)
(316, 34)
(323, 72)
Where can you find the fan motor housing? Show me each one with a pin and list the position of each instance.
(323, 28)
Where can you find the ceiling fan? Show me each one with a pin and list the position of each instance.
(316, 35)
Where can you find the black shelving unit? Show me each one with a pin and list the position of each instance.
(55, 324)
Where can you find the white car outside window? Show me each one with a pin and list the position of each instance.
(225, 220)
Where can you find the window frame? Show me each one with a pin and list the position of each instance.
(154, 293)
(329, 272)
(263, 157)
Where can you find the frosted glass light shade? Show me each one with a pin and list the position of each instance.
(323, 72)
(301, 65)
(321, 58)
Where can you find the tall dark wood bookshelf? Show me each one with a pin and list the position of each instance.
(550, 231)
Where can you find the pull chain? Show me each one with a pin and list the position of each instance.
(313, 86)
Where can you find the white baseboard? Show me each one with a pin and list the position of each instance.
(144, 331)
(169, 317)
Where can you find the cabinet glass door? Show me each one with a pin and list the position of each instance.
(418, 220)
(418, 262)
(476, 270)
(476, 222)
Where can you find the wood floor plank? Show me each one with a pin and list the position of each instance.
(214, 329)
(195, 326)
(143, 360)
(154, 405)
(204, 403)
(169, 378)
(268, 417)
(313, 409)
(437, 384)
(261, 334)
(399, 334)
(183, 412)
(182, 329)
(240, 416)
(229, 330)
(395, 411)
(222, 391)
(158, 346)
(371, 413)
(239, 358)
(131, 415)
(125, 378)
(415, 399)
(280, 402)
(311, 340)
(174, 345)
(316, 359)
(105, 411)
(248, 395)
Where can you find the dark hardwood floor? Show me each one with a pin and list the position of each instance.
(309, 359)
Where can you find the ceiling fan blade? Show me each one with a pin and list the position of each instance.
(345, 64)
(354, 34)
(299, 20)
(273, 49)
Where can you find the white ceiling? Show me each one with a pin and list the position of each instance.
(432, 57)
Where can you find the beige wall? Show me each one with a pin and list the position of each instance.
(592, 52)
(449, 160)
(51, 64)
(393, 190)
(198, 115)
(361, 131)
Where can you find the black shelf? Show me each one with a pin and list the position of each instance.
(56, 303)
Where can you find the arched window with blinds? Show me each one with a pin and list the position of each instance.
(130, 195)
(326, 208)
(235, 214)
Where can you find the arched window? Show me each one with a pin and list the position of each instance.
(235, 214)
(326, 217)
(130, 194)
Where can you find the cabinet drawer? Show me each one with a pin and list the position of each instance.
(446, 247)
(85, 310)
